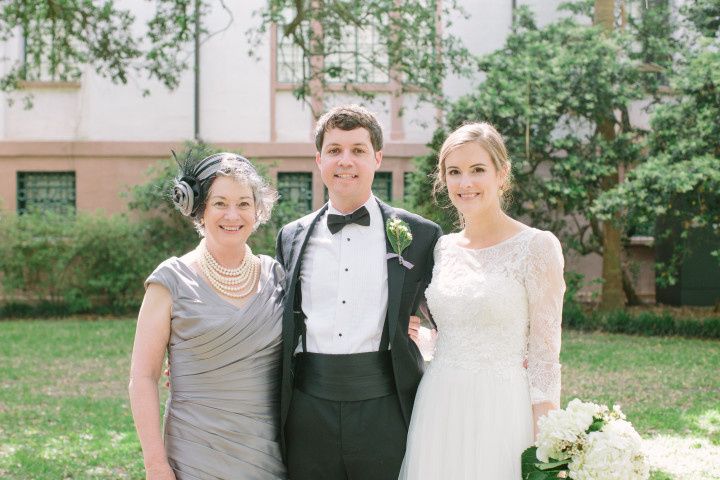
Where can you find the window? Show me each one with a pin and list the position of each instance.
(290, 60)
(46, 191)
(43, 64)
(352, 55)
(295, 188)
(355, 56)
(382, 186)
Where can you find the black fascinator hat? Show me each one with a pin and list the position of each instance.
(194, 179)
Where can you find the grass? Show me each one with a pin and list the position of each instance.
(664, 385)
(64, 411)
(668, 388)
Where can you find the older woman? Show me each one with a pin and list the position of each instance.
(217, 312)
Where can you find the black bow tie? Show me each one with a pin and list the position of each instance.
(336, 222)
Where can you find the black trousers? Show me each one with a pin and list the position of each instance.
(335, 440)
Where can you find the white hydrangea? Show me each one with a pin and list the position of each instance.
(561, 432)
(613, 453)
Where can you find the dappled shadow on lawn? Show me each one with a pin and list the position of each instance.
(683, 458)
(64, 411)
(667, 387)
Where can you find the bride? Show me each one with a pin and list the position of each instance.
(496, 296)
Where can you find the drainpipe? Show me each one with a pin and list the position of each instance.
(196, 130)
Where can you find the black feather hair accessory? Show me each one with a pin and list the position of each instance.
(193, 180)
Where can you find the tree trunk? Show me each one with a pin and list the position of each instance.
(605, 14)
(632, 297)
(613, 296)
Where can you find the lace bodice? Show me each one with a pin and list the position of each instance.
(498, 306)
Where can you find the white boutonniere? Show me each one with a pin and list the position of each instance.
(400, 237)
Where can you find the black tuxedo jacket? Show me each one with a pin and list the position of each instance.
(406, 288)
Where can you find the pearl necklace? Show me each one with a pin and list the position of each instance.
(232, 282)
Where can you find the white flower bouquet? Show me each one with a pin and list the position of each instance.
(585, 441)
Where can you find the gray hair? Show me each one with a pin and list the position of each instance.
(197, 181)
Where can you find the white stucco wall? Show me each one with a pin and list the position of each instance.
(235, 92)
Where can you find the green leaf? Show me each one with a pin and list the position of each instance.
(596, 426)
(552, 465)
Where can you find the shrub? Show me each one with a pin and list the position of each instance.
(645, 323)
(572, 308)
(54, 265)
(63, 265)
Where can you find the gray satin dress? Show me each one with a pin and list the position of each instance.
(221, 419)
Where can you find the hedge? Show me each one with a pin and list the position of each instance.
(645, 323)
(59, 265)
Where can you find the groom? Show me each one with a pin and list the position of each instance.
(350, 371)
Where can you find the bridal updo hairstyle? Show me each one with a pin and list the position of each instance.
(489, 139)
(192, 185)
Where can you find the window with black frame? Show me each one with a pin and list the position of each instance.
(382, 186)
(295, 188)
(46, 191)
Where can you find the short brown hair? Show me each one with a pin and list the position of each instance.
(349, 117)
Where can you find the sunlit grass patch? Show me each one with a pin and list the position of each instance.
(63, 406)
(64, 411)
(684, 458)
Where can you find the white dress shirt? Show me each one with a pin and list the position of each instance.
(344, 285)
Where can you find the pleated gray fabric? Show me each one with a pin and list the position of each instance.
(221, 419)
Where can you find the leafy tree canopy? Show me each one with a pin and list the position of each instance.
(676, 189)
(408, 42)
(547, 91)
(411, 43)
(62, 36)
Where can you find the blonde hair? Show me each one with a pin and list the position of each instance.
(488, 138)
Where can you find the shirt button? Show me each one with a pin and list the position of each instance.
(343, 301)
(346, 269)
(348, 239)
(339, 334)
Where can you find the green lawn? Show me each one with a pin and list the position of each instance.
(64, 410)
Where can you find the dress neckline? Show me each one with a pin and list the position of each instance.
(262, 280)
(500, 243)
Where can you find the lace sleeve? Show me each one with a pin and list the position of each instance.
(545, 288)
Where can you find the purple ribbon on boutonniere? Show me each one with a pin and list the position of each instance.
(401, 260)
(400, 237)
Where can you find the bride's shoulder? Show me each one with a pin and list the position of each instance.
(543, 243)
(446, 240)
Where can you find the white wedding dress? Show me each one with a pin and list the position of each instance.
(495, 308)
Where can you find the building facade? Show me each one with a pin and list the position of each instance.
(85, 143)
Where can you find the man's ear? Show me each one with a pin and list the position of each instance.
(317, 159)
(378, 159)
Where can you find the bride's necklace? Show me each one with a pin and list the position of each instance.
(233, 282)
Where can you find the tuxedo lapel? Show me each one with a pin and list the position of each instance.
(396, 275)
(299, 242)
